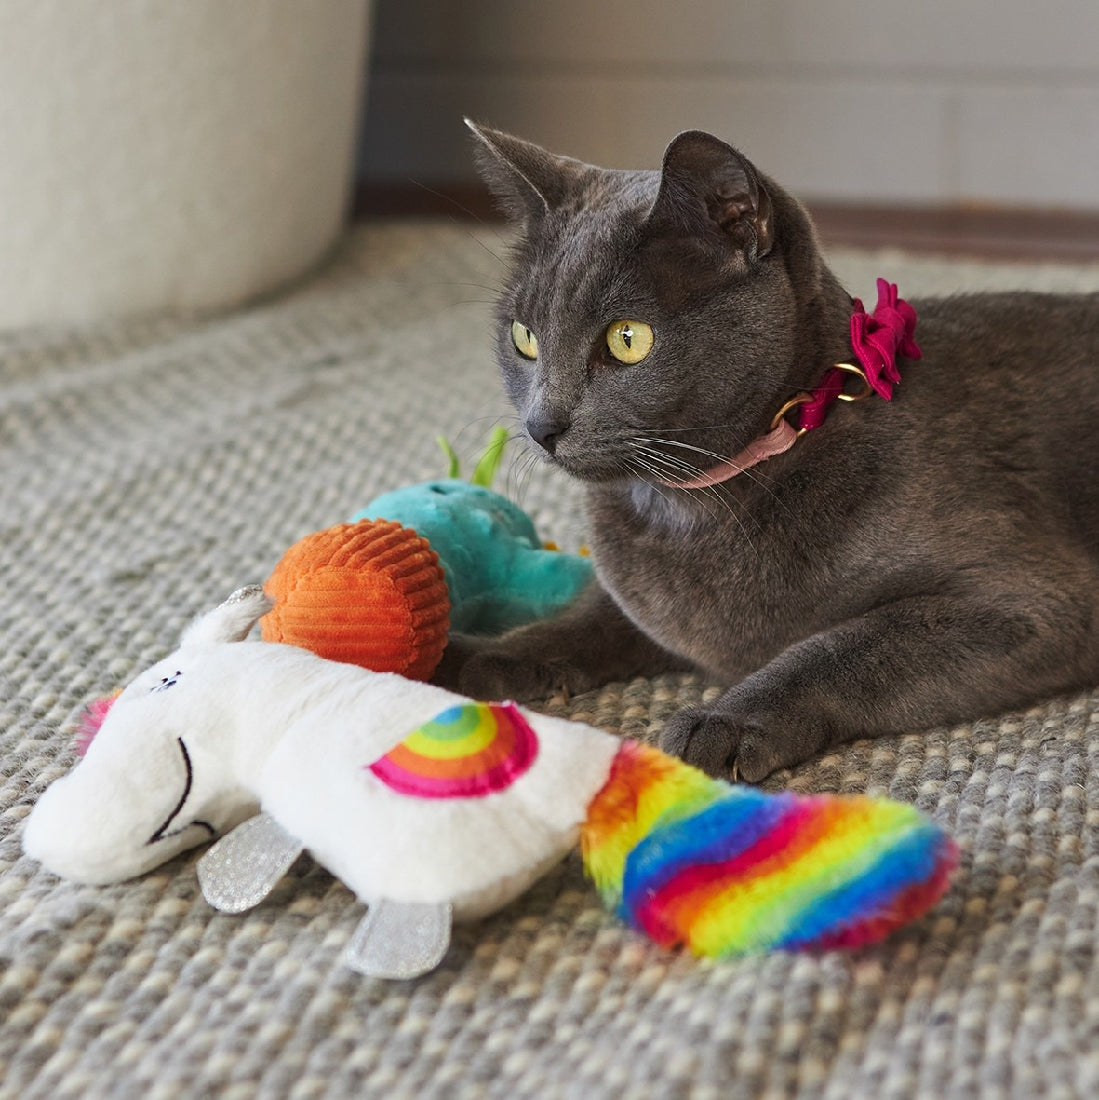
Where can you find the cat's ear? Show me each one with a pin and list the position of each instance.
(707, 186)
(527, 180)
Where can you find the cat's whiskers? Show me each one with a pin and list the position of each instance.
(765, 483)
(662, 466)
(641, 461)
(491, 420)
(477, 428)
(716, 458)
(460, 303)
(753, 474)
(515, 485)
(683, 446)
(465, 210)
(630, 470)
(523, 474)
(693, 428)
(493, 290)
(494, 254)
(678, 467)
(518, 472)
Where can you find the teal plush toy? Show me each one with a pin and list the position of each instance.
(498, 573)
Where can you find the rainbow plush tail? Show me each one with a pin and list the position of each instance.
(729, 870)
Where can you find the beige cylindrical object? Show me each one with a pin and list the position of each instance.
(170, 155)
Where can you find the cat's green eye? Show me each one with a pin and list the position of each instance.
(629, 341)
(526, 343)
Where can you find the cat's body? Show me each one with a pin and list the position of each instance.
(907, 563)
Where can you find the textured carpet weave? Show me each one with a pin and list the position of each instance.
(148, 469)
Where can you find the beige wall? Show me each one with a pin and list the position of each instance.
(934, 101)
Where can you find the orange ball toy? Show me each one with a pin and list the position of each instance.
(370, 593)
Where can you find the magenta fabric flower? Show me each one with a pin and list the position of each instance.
(880, 337)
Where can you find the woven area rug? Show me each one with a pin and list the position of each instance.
(147, 469)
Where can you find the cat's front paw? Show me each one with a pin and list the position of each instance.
(485, 668)
(493, 675)
(724, 745)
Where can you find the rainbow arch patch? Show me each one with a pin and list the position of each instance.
(468, 751)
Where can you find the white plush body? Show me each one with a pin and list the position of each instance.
(235, 726)
(476, 853)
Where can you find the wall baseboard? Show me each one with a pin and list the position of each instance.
(1007, 233)
(985, 232)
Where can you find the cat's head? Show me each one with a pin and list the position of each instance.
(653, 321)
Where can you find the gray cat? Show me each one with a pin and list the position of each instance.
(906, 563)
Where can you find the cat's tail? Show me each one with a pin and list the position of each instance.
(728, 869)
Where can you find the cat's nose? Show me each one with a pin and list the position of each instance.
(546, 431)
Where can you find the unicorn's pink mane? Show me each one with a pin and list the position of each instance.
(95, 713)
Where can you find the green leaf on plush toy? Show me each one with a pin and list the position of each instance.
(489, 462)
(454, 468)
(487, 465)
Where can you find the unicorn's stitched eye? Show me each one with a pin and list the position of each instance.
(629, 341)
(188, 780)
(167, 682)
(526, 343)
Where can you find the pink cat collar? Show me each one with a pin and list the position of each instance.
(780, 438)
(878, 339)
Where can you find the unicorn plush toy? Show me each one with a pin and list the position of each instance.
(432, 807)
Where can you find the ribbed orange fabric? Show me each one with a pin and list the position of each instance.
(370, 593)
